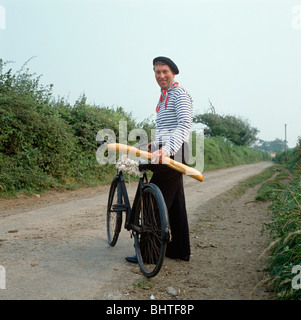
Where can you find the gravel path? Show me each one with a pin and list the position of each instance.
(54, 246)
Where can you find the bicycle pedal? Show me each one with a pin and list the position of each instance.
(119, 207)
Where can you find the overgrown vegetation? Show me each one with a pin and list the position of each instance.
(220, 152)
(284, 193)
(271, 146)
(48, 143)
(236, 129)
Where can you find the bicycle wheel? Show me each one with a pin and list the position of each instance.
(114, 213)
(152, 234)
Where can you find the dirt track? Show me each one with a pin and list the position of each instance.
(54, 246)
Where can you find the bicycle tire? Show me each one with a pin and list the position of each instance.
(114, 216)
(152, 234)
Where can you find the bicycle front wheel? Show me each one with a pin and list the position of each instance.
(152, 234)
(114, 212)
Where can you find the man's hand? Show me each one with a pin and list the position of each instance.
(158, 155)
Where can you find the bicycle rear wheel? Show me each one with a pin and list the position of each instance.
(152, 234)
(114, 212)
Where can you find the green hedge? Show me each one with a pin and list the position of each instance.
(220, 152)
(49, 143)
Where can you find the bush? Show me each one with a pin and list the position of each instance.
(46, 143)
(285, 243)
(220, 152)
(284, 193)
(234, 128)
(291, 157)
(49, 143)
(34, 141)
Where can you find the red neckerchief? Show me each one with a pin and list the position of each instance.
(164, 95)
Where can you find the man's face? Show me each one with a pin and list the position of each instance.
(164, 76)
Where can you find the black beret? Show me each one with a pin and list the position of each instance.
(169, 62)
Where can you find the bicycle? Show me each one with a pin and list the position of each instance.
(147, 219)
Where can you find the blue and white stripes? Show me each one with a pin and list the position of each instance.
(174, 121)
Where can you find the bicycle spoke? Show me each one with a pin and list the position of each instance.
(150, 240)
(114, 217)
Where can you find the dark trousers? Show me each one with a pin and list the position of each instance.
(171, 185)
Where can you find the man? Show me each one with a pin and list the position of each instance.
(173, 123)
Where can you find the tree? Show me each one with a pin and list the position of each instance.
(236, 129)
(271, 146)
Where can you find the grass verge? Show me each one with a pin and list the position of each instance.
(284, 249)
(241, 188)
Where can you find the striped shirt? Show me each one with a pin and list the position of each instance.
(174, 122)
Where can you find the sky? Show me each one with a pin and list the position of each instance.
(244, 55)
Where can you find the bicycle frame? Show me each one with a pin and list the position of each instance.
(129, 221)
(147, 219)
